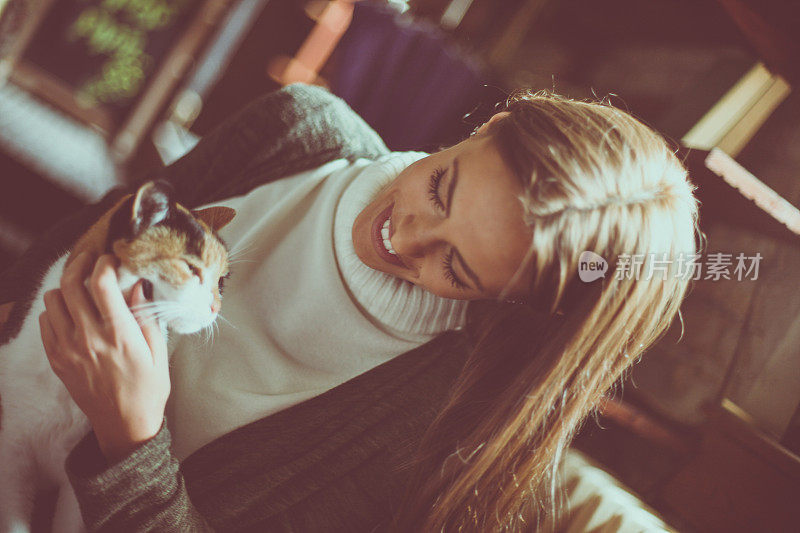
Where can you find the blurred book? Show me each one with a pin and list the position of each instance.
(730, 194)
(753, 189)
(742, 110)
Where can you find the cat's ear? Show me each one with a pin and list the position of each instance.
(216, 217)
(150, 206)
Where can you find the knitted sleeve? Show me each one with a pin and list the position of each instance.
(285, 132)
(143, 492)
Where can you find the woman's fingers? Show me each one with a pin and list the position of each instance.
(105, 291)
(77, 298)
(58, 316)
(49, 338)
(56, 356)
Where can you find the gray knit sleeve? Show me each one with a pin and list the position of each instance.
(296, 128)
(144, 491)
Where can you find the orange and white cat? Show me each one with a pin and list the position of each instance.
(183, 263)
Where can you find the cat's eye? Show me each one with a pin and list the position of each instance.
(221, 282)
(194, 270)
(147, 289)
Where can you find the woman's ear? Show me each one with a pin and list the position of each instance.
(497, 116)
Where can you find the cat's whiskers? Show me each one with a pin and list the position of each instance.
(160, 310)
(241, 249)
(146, 305)
(237, 261)
(167, 315)
(165, 311)
(158, 304)
(208, 333)
(154, 309)
(219, 315)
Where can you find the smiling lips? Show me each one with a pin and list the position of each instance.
(382, 231)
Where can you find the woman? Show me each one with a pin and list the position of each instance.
(464, 429)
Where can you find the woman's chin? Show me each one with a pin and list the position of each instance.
(380, 267)
(363, 255)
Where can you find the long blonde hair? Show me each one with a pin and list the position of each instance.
(598, 180)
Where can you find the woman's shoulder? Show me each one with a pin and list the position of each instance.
(311, 110)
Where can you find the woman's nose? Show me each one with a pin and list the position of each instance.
(413, 237)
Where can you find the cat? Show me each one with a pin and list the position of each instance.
(183, 263)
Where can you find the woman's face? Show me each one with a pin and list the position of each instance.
(454, 224)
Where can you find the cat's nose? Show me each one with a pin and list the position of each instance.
(215, 307)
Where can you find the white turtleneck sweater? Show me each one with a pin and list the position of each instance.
(302, 313)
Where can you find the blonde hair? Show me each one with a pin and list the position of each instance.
(598, 180)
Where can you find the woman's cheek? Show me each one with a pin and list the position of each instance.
(437, 287)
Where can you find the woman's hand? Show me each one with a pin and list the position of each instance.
(114, 367)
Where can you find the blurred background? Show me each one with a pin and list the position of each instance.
(704, 434)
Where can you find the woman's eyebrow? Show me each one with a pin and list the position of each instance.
(468, 270)
(450, 190)
(452, 186)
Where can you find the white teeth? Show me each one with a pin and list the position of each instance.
(385, 234)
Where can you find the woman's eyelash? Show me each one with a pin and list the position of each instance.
(433, 194)
(450, 274)
(433, 188)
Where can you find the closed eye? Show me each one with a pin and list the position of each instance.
(221, 283)
(433, 188)
(450, 273)
(194, 270)
(435, 196)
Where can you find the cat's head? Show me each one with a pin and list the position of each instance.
(177, 253)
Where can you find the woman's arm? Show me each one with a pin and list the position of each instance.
(115, 367)
(145, 491)
(288, 131)
(291, 130)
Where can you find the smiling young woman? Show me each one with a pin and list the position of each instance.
(413, 349)
(514, 206)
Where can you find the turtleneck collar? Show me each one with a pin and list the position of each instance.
(396, 305)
